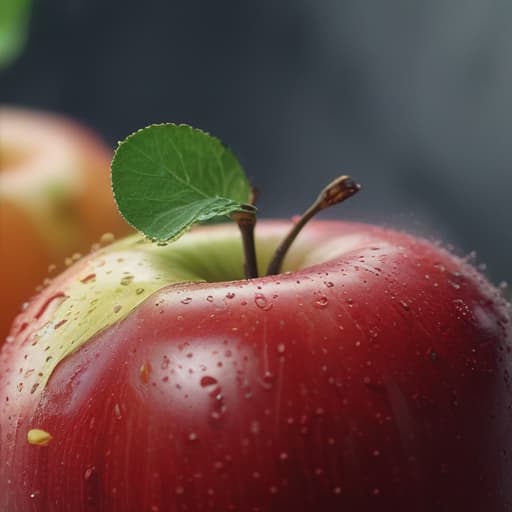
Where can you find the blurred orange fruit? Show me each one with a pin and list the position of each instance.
(55, 200)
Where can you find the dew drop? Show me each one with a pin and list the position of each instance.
(404, 304)
(88, 473)
(59, 324)
(117, 308)
(144, 372)
(192, 437)
(267, 381)
(255, 427)
(262, 302)
(321, 302)
(230, 295)
(39, 437)
(207, 380)
(107, 238)
(88, 278)
(59, 296)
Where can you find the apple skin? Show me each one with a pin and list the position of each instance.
(55, 199)
(373, 374)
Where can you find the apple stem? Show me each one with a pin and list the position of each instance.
(336, 192)
(246, 221)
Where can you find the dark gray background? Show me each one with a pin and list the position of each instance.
(412, 98)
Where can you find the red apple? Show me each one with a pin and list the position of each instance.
(372, 374)
(54, 199)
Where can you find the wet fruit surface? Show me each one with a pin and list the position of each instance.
(377, 380)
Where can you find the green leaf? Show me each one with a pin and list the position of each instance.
(14, 17)
(168, 177)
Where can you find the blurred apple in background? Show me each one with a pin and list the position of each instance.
(55, 200)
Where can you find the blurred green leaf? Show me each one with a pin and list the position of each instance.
(14, 18)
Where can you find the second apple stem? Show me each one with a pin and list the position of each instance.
(336, 192)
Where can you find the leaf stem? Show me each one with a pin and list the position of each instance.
(336, 192)
(246, 221)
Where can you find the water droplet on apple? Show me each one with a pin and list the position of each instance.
(321, 302)
(404, 305)
(230, 295)
(88, 278)
(106, 238)
(180, 490)
(192, 436)
(255, 427)
(33, 495)
(117, 412)
(454, 285)
(281, 347)
(55, 300)
(59, 324)
(267, 381)
(262, 302)
(283, 456)
(88, 473)
(117, 308)
(337, 490)
(126, 280)
(187, 300)
(144, 372)
(207, 381)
